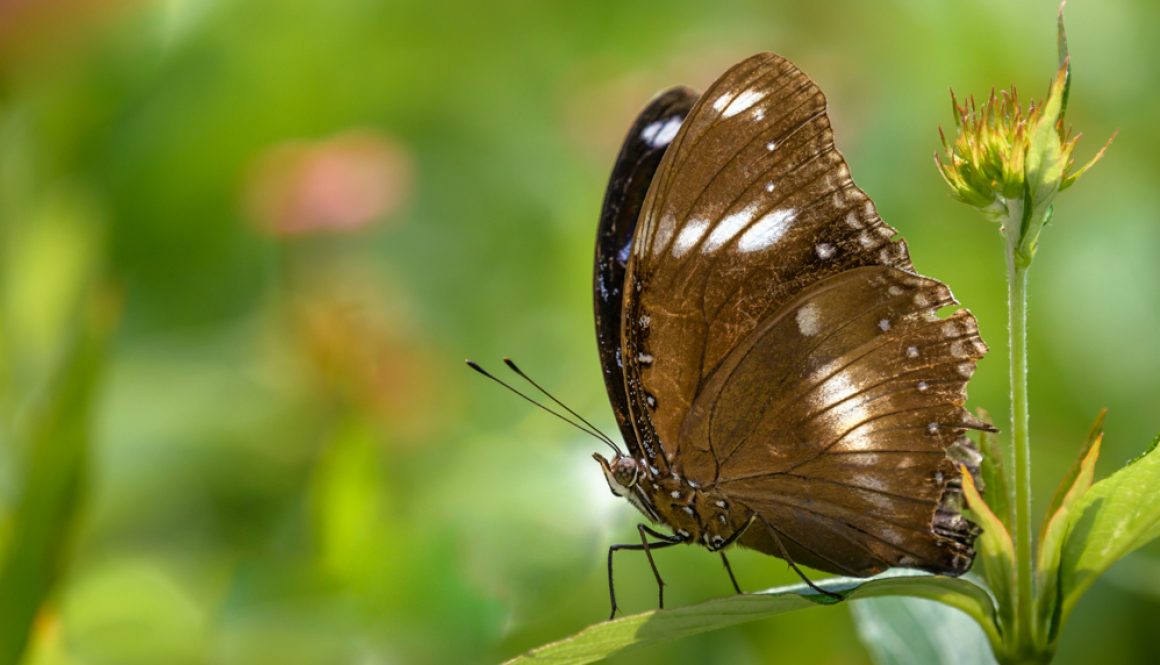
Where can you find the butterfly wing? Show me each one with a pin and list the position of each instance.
(833, 420)
(647, 140)
(753, 219)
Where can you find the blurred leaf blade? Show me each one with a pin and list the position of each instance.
(58, 447)
(915, 631)
(607, 638)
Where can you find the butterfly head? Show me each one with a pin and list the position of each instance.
(621, 472)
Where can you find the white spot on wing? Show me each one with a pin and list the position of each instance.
(836, 394)
(739, 103)
(661, 132)
(664, 231)
(824, 250)
(771, 146)
(807, 320)
(767, 231)
(729, 227)
(689, 236)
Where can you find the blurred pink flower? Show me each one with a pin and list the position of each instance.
(341, 183)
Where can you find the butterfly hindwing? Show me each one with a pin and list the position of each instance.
(843, 408)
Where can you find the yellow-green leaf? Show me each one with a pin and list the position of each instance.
(994, 479)
(1095, 432)
(1052, 539)
(996, 550)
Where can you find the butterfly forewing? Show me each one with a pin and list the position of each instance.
(778, 346)
(751, 204)
(640, 155)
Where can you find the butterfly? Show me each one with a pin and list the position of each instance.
(778, 370)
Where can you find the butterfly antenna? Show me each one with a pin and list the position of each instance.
(512, 366)
(591, 432)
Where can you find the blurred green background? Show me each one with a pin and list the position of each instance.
(246, 245)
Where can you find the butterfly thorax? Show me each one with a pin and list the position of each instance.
(694, 513)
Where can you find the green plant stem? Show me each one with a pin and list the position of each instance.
(1019, 482)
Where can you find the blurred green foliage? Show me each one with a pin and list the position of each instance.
(311, 212)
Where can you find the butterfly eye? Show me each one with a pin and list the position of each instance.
(621, 473)
(625, 471)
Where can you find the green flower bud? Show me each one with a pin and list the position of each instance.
(1010, 162)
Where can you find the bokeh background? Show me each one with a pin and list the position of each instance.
(245, 246)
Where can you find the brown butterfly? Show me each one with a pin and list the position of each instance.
(776, 365)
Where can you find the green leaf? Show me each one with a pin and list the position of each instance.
(1053, 533)
(1044, 166)
(1116, 516)
(914, 631)
(1064, 56)
(610, 637)
(1045, 163)
(53, 477)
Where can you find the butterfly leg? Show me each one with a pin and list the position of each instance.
(647, 547)
(729, 569)
(785, 555)
(729, 541)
